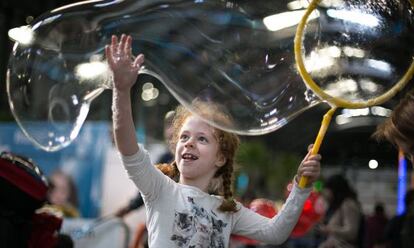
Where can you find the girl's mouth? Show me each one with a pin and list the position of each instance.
(189, 156)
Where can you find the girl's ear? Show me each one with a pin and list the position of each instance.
(221, 160)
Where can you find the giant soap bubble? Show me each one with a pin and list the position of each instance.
(238, 54)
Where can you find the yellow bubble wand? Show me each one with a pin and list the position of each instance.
(336, 102)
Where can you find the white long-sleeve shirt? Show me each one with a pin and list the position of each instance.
(184, 216)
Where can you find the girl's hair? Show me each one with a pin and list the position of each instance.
(399, 127)
(222, 182)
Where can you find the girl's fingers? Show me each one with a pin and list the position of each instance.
(121, 44)
(120, 48)
(308, 161)
(123, 39)
(114, 42)
(310, 173)
(316, 157)
(307, 156)
(138, 61)
(310, 166)
(120, 58)
(108, 54)
(127, 46)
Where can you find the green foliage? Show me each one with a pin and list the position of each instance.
(269, 171)
(284, 169)
(253, 155)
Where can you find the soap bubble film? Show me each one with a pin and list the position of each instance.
(238, 55)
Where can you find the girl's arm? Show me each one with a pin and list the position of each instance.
(277, 229)
(125, 73)
(136, 161)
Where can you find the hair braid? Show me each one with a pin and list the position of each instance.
(228, 204)
(169, 170)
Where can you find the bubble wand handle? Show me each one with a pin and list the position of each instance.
(321, 134)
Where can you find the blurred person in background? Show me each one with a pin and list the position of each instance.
(375, 227)
(342, 222)
(63, 194)
(398, 129)
(400, 230)
(25, 221)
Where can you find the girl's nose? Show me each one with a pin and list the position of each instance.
(189, 143)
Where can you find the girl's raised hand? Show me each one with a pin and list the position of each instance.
(310, 167)
(122, 63)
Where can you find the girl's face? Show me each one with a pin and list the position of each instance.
(197, 152)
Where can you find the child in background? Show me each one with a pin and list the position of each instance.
(63, 194)
(399, 127)
(399, 130)
(193, 206)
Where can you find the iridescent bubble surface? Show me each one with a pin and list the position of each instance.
(236, 54)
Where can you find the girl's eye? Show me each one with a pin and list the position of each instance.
(203, 139)
(184, 137)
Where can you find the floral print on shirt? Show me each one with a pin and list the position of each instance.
(198, 228)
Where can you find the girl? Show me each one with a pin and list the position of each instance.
(183, 213)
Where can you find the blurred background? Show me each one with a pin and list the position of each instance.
(267, 163)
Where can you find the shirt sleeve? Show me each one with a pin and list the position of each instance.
(148, 179)
(277, 229)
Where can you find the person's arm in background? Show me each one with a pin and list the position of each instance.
(125, 73)
(133, 204)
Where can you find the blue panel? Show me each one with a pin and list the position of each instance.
(83, 160)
